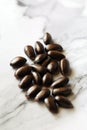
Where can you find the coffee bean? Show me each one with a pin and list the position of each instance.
(29, 51)
(47, 79)
(22, 71)
(39, 48)
(32, 91)
(64, 91)
(37, 78)
(18, 62)
(47, 38)
(51, 104)
(46, 61)
(53, 67)
(64, 66)
(61, 82)
(54, 47)
(44, 93)
(25, 82)
(56, 55)
(40, 69)
(40, 58)
(63, 102)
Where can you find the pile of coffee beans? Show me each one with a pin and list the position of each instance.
(38, 79)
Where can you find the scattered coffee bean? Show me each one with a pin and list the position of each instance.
(63, 102)
(64, 91)
(37, 78)
(47, 79)
(22, 71)
(39, 48)
(44, 93)
(32, 91)
(29, 51)
(56, 55)
(25, 82)
(40, 69)
(64, 66)
(46, 61)
(47, 38)
(53, 67)
(18, 62)
(61, 82)
(54, 47)
(51, 104)
(40, 58)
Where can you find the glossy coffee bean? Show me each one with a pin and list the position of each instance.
(46, 61)
(51, 104)
(64, 91)
(61, 82)
(47, 79)
(18, 62)
(40, 69)
(32, 91)
(56, 55)
(53, 67)
(47, 38)
(64, 66)
(44, 93)
(37, 78)
(39, 48)
(29, 51)
(40, 58)
(54, 47)
(63, 102)
(25, 82)
(22, 71)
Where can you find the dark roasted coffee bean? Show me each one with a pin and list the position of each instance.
(63, 102)
(61, 82)
(22, 71)
(25, 82)
(32, 91)
(44, 93)
(51, 104)
(40, 58)
(64, 91)
(54, 47)
(64, 66)
(56, 55)
(18, 62)
(46, 61)
(47, 79)
(47, 38)
(41, 69)
(53, 67)
(37, 78)
(39, 48)
(29, 51)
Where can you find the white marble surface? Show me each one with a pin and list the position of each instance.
(24, 22)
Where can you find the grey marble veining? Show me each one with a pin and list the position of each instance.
(23, 22)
